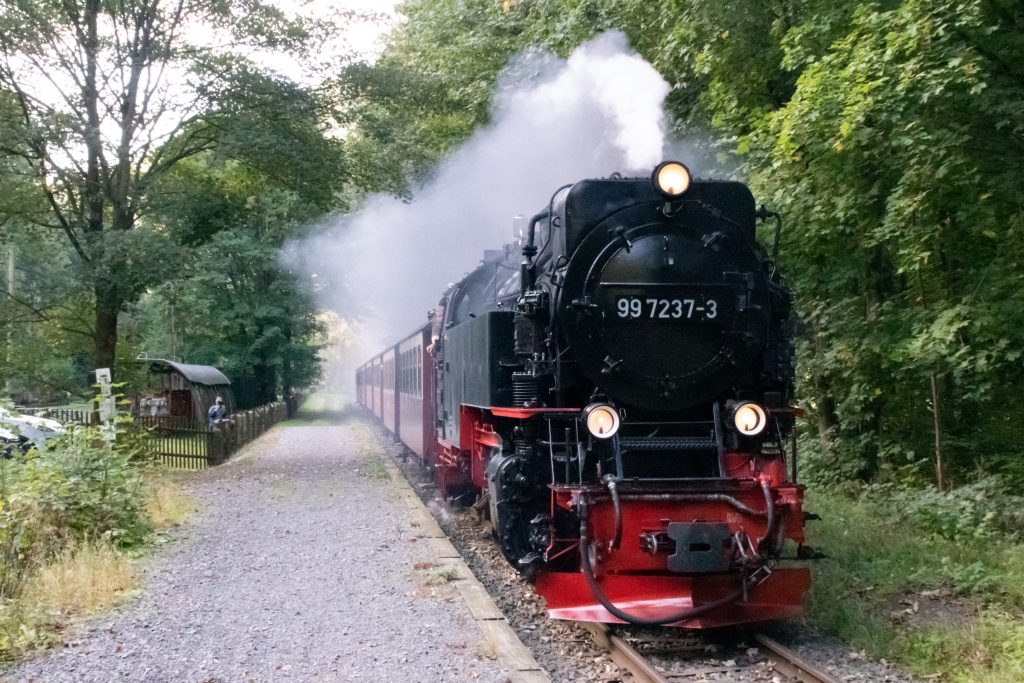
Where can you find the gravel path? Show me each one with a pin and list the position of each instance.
(299, 566)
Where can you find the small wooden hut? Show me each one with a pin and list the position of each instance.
(183, 391)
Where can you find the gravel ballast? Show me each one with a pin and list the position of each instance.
(299, 565)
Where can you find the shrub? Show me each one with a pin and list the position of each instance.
(983, 509)
(80, 489)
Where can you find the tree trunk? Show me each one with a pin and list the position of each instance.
(266, 386)
(108, 305)
(870, 463)
(937, 425)
(286, 371)
(827, 418)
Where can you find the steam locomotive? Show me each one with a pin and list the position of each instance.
(614, 389)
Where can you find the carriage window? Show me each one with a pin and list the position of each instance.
(419, 372)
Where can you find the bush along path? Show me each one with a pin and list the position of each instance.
(299, 565)
(70, 517)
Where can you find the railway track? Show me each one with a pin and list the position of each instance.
(781, 659)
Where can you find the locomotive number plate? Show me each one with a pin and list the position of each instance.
(667, 304)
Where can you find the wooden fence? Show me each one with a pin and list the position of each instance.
(62, 415)
(182, 443)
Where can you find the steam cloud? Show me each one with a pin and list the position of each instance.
(554, 122)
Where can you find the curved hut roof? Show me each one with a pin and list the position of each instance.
(196, 374)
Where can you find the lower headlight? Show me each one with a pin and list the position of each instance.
(749, 418)
(602, 420)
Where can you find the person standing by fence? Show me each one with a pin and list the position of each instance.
(217, 412)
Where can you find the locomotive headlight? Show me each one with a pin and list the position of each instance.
(671, 178)
(749, 418)
(602, 420)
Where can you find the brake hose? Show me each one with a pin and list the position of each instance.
(595, 587)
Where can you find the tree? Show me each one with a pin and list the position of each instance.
(898, 159)
(233, 303)
(108, 96)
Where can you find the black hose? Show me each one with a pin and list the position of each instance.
(595, 587)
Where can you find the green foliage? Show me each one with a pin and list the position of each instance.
(887, 133)
(984, 509)
(45, 319)
(889, 160)
(903, 592)
(79, 489)
(991, 650)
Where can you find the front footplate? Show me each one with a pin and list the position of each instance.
(780, 596)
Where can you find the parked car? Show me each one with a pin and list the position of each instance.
(12, 443)
(37, 430)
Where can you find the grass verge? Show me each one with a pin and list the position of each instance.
(85, 578)
(166, 505)
(942, 608)
(322, 409)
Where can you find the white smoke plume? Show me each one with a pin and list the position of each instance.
(554, 122)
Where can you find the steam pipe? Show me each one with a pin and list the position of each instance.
(613, 489)
(527, 272)
(775, 246)
(764, 213)
(694, 498)
(772, 518)
(595, 587)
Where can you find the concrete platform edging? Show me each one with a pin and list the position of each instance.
(509, 649)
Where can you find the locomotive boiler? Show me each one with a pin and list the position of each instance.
(614, 391)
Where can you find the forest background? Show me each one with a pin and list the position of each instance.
(889, 134)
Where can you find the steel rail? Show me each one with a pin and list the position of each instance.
(783, 660)
(624, 655)
(789, 663)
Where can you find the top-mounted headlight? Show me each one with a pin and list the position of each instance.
(748, 418)
(602, 420)
(671, 178)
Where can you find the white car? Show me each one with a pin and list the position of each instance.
(38, 430)
(11, 443)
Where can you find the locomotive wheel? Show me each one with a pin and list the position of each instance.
(512, 531)
(512, 496)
